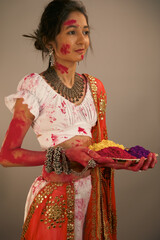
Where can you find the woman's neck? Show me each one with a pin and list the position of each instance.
(66, 72)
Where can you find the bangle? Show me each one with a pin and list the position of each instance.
(91, 164)
(65, 164)
(49, 160)
(57, 161)
(57, 165)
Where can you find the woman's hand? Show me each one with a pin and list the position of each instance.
(82, 155)
(132, 166)
(142, 164)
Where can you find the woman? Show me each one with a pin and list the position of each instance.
(74, 198)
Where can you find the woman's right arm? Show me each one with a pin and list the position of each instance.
(11, 152)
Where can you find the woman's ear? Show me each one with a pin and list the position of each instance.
(49, 45)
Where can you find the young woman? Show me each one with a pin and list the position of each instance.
(74, 198)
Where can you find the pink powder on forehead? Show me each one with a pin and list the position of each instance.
(70, 22)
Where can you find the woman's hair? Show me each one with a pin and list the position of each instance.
(54, 15)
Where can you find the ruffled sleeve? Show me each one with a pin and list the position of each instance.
(27, 89)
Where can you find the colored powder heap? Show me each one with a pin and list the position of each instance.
(104, 144)
(115, 152)
(138, 151)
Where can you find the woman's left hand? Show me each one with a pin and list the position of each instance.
(143, 164)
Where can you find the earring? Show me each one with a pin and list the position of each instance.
(50, 57)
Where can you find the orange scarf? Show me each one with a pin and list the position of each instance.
(101, 214)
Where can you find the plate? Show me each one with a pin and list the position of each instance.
(131, 159)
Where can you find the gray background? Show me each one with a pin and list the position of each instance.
(126, 42)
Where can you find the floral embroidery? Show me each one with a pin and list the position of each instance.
(54, 212)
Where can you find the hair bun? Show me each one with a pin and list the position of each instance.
(38, 45)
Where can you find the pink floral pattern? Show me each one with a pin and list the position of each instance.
(82, 196)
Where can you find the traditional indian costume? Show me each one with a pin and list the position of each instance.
(84, 209)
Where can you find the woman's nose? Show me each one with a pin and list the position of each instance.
(81, 38)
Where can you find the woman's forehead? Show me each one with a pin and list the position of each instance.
(75, 18)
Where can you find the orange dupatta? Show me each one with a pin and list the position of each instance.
(101, 220)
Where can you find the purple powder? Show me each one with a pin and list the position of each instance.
(138, 151)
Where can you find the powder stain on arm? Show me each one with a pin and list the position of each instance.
(11, 152)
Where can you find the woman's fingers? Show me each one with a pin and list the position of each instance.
(137, 166)
(129, 165)
(90, 152)
(154, 160)
(147, 162)
(98, 158)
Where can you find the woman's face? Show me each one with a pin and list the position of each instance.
(73, 40)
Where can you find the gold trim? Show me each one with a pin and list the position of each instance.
(70, 211)
(41, 196)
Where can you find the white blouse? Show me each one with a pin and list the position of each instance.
(56, 118)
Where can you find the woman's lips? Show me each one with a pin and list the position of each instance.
(79, 50)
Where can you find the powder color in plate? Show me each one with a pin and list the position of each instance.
(104, 144)
(115, 152)
(138, 151)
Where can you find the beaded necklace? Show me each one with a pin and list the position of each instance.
(72, 94)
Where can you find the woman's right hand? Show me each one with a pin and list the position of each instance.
(82, 155)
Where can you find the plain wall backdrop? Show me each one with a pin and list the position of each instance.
(126, 41)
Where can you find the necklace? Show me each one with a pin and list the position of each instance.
(72, 94)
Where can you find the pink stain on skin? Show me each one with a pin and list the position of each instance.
(81, 130)
(70, 22)
(61, 68)
(65, 48)
(11, 151)
(82, 57)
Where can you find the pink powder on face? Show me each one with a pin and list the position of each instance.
(61, 68)
(65, 48)
(70, 22)
(81, 130)
(82, 57)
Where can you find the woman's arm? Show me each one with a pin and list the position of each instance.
(11, 152)
(128, 165)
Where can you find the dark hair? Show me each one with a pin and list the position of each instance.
(54, 15)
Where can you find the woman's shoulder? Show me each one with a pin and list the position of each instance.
(94, 81)
(30, 82)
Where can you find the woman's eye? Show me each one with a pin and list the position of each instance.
(86, 32)
(71, 32)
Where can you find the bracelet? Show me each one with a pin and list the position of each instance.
(65, 164)
(91, 164)
(57, 161)
(57, 165)
(49, 160)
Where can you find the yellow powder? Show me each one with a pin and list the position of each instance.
(105, 144)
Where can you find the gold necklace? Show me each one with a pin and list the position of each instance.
(72, 94)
